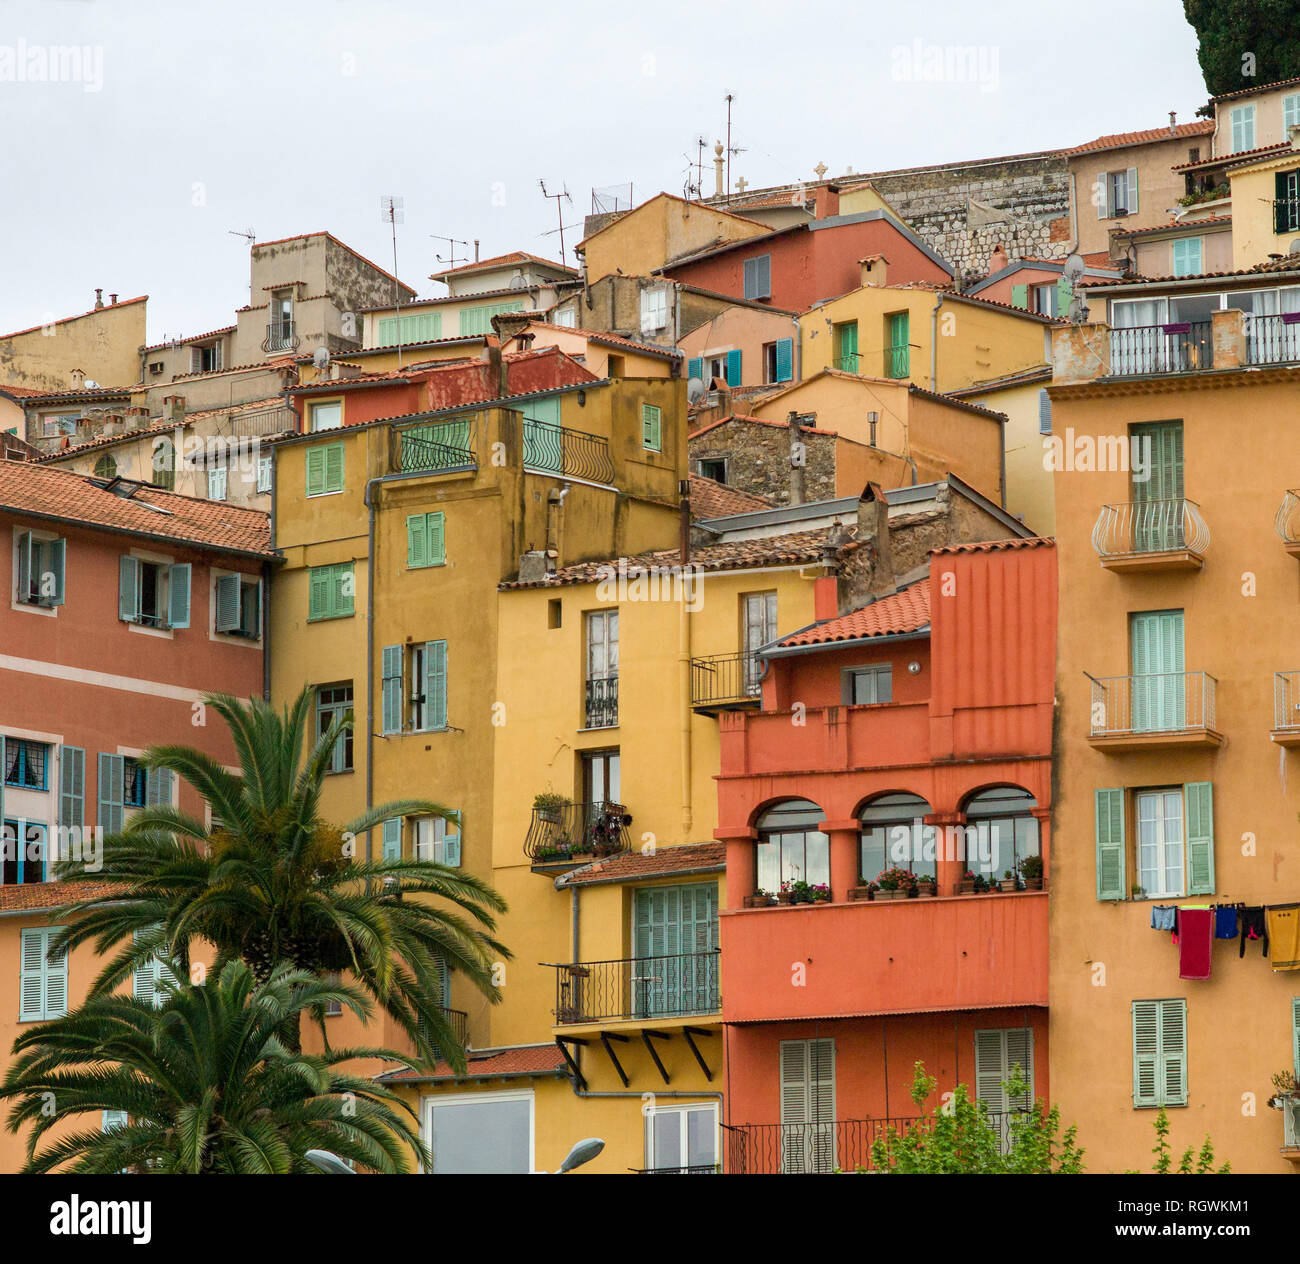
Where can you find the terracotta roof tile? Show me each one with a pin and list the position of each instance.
(1121, 140)
(998, 546)
(21, 392)
(905, 611)
(181, 342)
(30, 488)
(498, 261)
(50, 895)
(519, 1060)
(711, 499)
(1222, 160)
(108, 307)
(1287, 263)
(605, 339)
(1192, 225)
(1250, 92)
(664, 862)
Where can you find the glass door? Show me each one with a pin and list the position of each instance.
(1158, 686)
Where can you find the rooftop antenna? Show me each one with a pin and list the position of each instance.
(731, 149)
(392, 211)
(451, 261)
(251, 237)
(700, 145)
(559, 210)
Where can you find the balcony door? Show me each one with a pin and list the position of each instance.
(758, 617)
(1159, 688)
(808, 1106)
(997, 1052)
(543, 438)
(676, 934)
(601, 702)
(1158, 497)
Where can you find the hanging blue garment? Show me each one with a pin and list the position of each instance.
(1163, 917)
(1225, 922)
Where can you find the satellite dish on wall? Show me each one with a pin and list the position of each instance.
(1294, 247)
(320, 359)
(694, 390)
(1074, 268)
(517, 281)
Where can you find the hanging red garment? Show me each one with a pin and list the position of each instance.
(1195, 938)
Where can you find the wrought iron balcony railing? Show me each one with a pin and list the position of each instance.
(1286, 701)
(640, 987)
(1273, 339)
(1162, 702)
(281, 335)
(1179, 347)
(601, 707)
(552, 449)
(1287, 519)
(436, 447)
(697, 1169)
(264, 421)
(1150, 526)
(722, 679)
(572, 831)
(458, 1021)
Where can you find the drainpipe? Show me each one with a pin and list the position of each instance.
(684, 658)
(370, 656)
(266, 631)
(794, 432)
(934, 344)
(573, 906)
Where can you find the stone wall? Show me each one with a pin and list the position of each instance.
(758, 459)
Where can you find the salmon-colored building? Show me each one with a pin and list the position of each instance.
(915, 734)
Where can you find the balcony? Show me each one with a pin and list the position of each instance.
(434, 448)
(723, 681)
(843, 1144)
(1273, 339)
(1290, 1107)
(572, 834)
(552, 449)
(281, 335)
(1160, 711)
(877, 958)
(1151, 535)
(1287, 522)
(458, 1021)
(1180, 347)
(1286, 708)
(263, 422)
(600, 707)
(637, 989)
(699, 1169)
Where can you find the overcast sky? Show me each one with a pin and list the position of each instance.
(192, 119)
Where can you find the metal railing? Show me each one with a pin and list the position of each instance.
(897, 361)
(1273, 339)
(698, 1169)
(435, 447)
(1150, 526)
(264, 421)
(600, 710)
(458, 1021)
(717, 679)
(553, 449)
(573, 830)
(1287, 520)
(1162, 702)
(1286, 700)
(840, 1145)
(1179, 347)
(638, 987)
(282, 335)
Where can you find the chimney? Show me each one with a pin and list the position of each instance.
(534, 566)
(174, 409)
(873, 536)
(718, 163)
(798, 458)
(112, 300)
(875, 271)
(684, 522)
(554, 514)
(99, 299)
(496, 368)
(78, 379)
(998, 259)
(826, 201)
(1173, 122)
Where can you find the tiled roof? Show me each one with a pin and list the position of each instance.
(520, 1060)
(108, 307)
(672, 197)
(711, 499)
(905, 611)
(781, 423)
(1287, 263)
(1192, 225)
(181, 342)
(998, 546)
(90, 393)
(797, 548)
(1250, 92)
(44, 490)
(663, 862)
(1221, 160)
(605, 339)
(500, 261)
(50, 895)
(1121, 140)
(21, 392)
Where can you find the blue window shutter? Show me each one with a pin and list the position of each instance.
(178, 595)
(57, 553)
(24, 565)
(435, 684)
(695, 368)
(392, 849)
(1044, 412)
(733, 368)
(31, 975)
(227, 598)
(784, 359)
(128, 589)
(111, 772)
(750, 278)
(1199, 797)
(56, 981)
(451, 842)
(158, 786)
(391, 690)
(72, 787)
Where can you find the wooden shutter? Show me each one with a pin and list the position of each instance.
(1160, 1053)
(1132, 190)
(451, 842)
(128, 589)
(437, 538)
(1108, 827)
(794, 1082)
(1146, 1049)
(1101, 196)
(320, 591)
(1199, 796)
(315, 462)
(392, 847)
(147, 976)
(1044, 412)
(1173, 1052)
(784, 359)
(435, 684)
(695, 368)
(651, 427)
(734, 377)
(1281, 217)
(391, 690)
(31, 975)
(228, 594)
(991, 1069)
(1020, 296)
(342, 600)
(1020, 1053)
(72, 787)
(111, 772)
(334, 467)
(158, 783)
(178, 595)
(417, 541)
(57, 551)
(24, 565)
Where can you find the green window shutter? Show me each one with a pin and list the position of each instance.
(391, 690)
(1133, 200)
(1064, 296)
(72, 787)
(435, 684)
(128, 589)
(1173, 1052)
(451, 842)
(228, 603)
(1280, 209)
(24, 565)
(344, 594)
(695, 368)
(315, 462)
(110, 811)
(1199, 796)
(1160, 1053)
(158, 784)
(651, 428)
(1020, 296)
(32, 969)
(334, 467)
(784, 359)
(1109, 834)
(320, 600)
(178, 595)
(1146, 1053)
(56, 553)
(734, 377)
(437, 539)
(392, 848)
(417, 540)
(387, 336)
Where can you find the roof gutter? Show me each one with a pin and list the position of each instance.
(892, 638)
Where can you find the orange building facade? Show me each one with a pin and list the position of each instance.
(913, 734)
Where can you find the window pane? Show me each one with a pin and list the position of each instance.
(481, 1137)
(701, 1138)
(666, 1139)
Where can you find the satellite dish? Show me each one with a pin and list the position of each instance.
(90, 384)
(694, 390)
(1074, 268)
(517, 281)
(320, 359)
(1294, 247)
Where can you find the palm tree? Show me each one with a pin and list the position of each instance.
(273, 882)
(205, 1082)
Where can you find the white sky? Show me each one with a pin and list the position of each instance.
(291, 117)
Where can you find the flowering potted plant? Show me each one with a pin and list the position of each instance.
(895, 884)
(547, 805)
(786, 894)
(969, 883)
(1008, 881)
(927, 886)
(819, 893)
(863, 891)
(1031, 870)
(760, 899)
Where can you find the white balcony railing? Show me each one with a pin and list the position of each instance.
(1150, 526)
(1162, 702)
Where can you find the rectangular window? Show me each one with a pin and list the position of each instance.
(26, 764)
(682, 1138)
(651, 428)
(325, 416)
(654, 310)
(757, 628)
(478, 320)
(332, 703)
(428, 678)
(1174, 849)
(1160, 1053)
(1044, 299)
(153, 594)
(758, 277)
(42, 983)
(1044, 412)
(712, 467)
(1160, 841)
(998, 1051)
(898, 351)
(601, 710)
(324, 464)
(217, 482)
(437, 840)
(414, 327)
(480, 1134)
(807, 1078)
(602, 777)
(237, 607)
(1158, 687)
(1286, 205)
(675, 931)
(867, 686)
(565, 317)
(778, 360)
(1156, 526)
(1290, 114)
(1242, 119)
(264, 473)
(148, 980)
(39, 568)
(331, 592)
(425, 540)
(1188, 256)
(22, 846)
(845, 335)
(1117, 192)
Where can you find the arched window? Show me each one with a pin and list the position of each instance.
(106, 467)
(893, 836)
(1006, 832)
(790, 846)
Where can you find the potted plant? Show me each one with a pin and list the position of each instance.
(547, 805)
(819, 893)
(1285, 1090)
(863, 891)
(969, 884)
(983, 886)
(760, 899)
(786, 894)
(895, 884)
(1008, 881)
(927, 886)
(1031, 870)
(1137, 892)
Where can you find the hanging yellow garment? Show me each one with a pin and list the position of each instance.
(1284, 936)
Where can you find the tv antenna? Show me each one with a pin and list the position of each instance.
(392, 210)
(451, 261)
(701, 144)
(246, 233)
(731, 149)
(563, 195)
